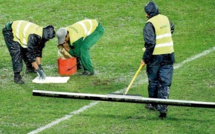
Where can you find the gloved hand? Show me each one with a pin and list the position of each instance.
(41, 74)
(40, 67)
(63, 53)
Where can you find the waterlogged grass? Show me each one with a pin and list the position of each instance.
(116, 58)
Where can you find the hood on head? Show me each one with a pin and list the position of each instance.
(48, 32)
(151, 9)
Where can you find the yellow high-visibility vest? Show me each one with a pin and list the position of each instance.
(81, 29)
(22, 29)
(164, 42)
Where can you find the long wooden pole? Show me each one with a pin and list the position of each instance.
(132, 81)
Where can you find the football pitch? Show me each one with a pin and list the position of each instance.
(115, 57)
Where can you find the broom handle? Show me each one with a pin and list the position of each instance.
(129, 86)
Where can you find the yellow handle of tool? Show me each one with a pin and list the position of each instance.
(129, 86)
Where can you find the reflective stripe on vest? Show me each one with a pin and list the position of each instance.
(81, 29)
(22, 29)
(85, 28)
(164, 43)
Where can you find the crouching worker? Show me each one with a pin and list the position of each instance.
(25, 41)
(78, 38)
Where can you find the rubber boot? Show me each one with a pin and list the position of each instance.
(18, 78)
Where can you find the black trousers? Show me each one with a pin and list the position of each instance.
(160, 80)
(17, 53)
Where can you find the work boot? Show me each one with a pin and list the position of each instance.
(87, 73)
(18, 79)
(162, 115)
(151, 107)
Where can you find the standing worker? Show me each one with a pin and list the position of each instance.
(25, 41)
(158, 56)
(78, 38)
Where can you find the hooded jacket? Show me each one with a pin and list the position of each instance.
(32, 37)
(150, 39)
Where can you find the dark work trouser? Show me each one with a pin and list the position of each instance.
(17, 53)
(160, 79)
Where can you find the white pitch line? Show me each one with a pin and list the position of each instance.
(66, 117)
(194, 57)
(82, 109)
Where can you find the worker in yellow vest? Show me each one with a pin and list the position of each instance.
(78, 38)
(25, 41)
(158, 56)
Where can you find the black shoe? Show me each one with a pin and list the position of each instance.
(162, 115)
(87, 73)
(150, 107)
(18, 79)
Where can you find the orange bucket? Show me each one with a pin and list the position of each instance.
(67, 66)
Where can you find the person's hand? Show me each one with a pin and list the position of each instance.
(40, 67)
(41, 74)
(143, 63)
(60, 46)
(66, 46)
